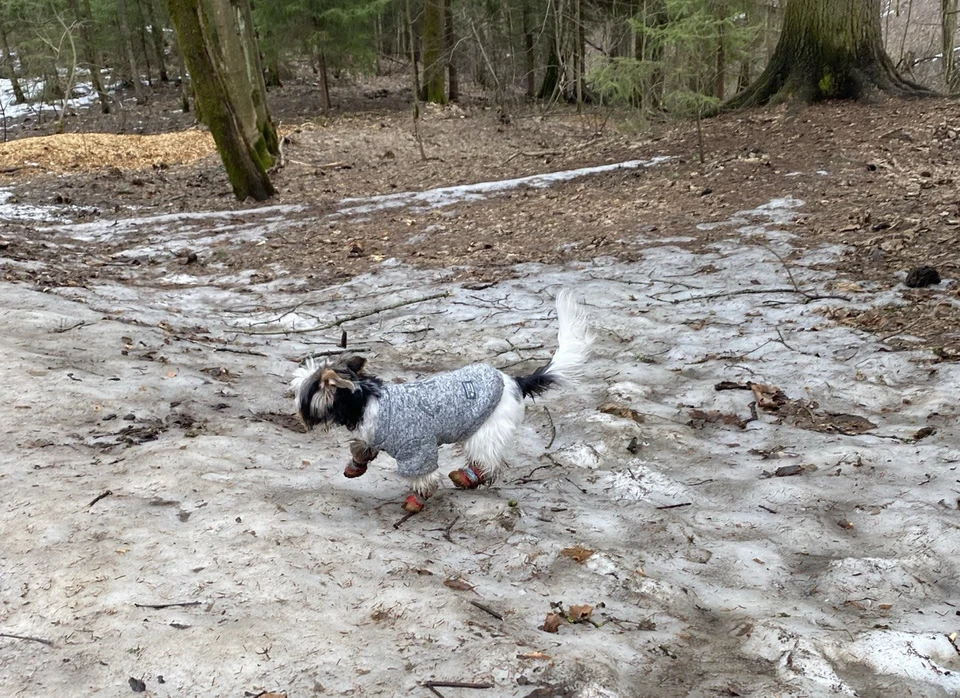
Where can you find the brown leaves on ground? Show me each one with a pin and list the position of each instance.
(577, 553)
(575, 614)
(552, 623)
(621, 411)
(458, 584)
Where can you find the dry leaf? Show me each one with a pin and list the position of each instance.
(768, 397)
(577, 553)
(534, 655)
(552, 623)
(885, 606)
(458, 584)
(577, 614)
(621, 411)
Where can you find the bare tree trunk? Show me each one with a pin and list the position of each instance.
(159, 45)
(721, 76)
(324, 80)
(18, 96)
(828, 49)
(128, 49)
(578, 56)
(530, 64)
(84, 20)
(184, 85)
(948, 27)
(433, 79)
(142, 30)
(449, 46)
(211, 43)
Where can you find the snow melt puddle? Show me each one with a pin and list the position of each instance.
(446, 196)
(11, 210)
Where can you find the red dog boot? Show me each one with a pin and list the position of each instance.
(413, 504)
(469, 478)
(354, 470)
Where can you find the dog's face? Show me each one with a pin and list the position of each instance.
(323, 391)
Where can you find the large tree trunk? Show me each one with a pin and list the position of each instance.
(828, 49)
(18, 96)
(211, 45)
(948, 28)
(433, 79)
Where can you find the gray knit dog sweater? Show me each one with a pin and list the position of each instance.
(415, 418)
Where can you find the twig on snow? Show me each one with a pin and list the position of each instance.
(29, 638)
(486, 609)
(347, 318)
(167, 605)
(105, 493)
(750, 291)
(675, 506)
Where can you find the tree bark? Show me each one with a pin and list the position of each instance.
(223, 98)
(128, 49)
(530, 63)
(18, 96)
(449, 44)
(156, 35)
(948, 30)
(84, 19)
(828, 49)
(721, 75)
(433, 79)
(324, 80)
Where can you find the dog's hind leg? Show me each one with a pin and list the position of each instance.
(424, 487)
(486, 447)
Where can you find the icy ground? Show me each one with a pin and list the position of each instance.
(151, 460)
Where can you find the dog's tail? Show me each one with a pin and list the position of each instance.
(575, 341)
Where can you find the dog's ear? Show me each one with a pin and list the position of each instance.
(331, 379)
(356, 364)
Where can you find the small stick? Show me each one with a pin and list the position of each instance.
(61, 330)
(405, 517)
(455, 684)
(347, 318)
(167, 605)
(675, 506)
(28, 638)
(433, 691)
(751, 291)
(553, 428)
(486, 609)
(772, 511)
(102, 495)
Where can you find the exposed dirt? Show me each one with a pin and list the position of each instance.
(880, 178)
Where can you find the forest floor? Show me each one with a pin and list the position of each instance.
(151, 323)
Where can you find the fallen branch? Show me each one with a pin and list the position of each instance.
(105, 493)
(432, 686)
(28, 638)
(403, 520)
(486, 609)
(750, 291)
(348, 318)
(167, 605)
(675, 506)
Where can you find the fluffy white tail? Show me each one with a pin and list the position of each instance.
(575, 341)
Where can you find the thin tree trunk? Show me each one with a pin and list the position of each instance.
(324, 80)
(182, 72)
(18, 96)
(142, 30)
(89, 51)
(201, 39)
(721, 76)
(128, 49)
(433, 79)
(159, 45)
(578, 56)
(530, 64)
(449, 45)
(948, 30)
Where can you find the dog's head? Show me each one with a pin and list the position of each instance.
(330, 391)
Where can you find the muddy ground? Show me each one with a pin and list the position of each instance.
(152, 324)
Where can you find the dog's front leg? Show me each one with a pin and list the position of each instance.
(360, 456)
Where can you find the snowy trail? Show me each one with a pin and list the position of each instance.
(839, 581)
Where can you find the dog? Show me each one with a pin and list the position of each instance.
(477, 405)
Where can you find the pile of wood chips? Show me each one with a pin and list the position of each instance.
(68, 152)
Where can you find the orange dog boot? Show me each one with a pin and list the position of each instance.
(468, 478)
(354, 470)
(413, 504)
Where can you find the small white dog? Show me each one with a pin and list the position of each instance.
(476, 405)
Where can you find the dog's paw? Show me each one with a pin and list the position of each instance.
(354, 470)
(413, 504)
(468, 478)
